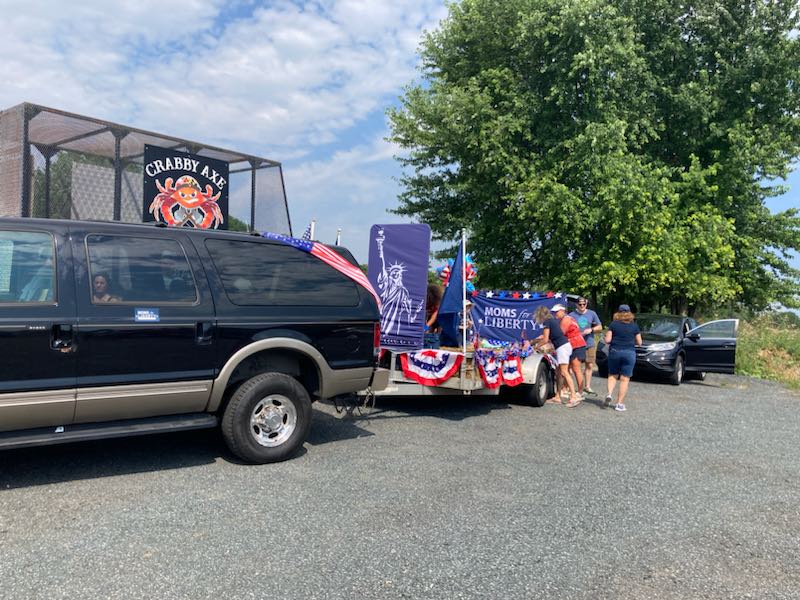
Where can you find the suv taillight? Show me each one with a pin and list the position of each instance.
(376, 339)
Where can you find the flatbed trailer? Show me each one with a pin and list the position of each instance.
(538, 382)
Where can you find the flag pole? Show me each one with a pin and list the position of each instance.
(339, 236)
(313, 227)
(464, 288)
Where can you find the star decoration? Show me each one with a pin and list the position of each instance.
(526, 295)
(490, 294)
(515, 295)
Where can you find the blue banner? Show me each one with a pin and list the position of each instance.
(509, 319)
(398, 270)
(453, 303)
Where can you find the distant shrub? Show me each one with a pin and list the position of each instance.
(768, 347)
(786, 319)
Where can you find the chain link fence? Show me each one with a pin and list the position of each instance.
(65, 166)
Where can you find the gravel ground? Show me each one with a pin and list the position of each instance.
(694, 492)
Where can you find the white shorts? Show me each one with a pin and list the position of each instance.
(563, 353)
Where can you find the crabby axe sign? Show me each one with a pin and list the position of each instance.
(184, 190)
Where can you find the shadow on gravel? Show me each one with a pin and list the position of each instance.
(106, 458)
(123, 456)
(327, 428)
(452, 408)
(709, 381)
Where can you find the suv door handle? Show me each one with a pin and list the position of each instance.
(61, 337)
(204, 333)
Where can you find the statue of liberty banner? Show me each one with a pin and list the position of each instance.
(398, 269)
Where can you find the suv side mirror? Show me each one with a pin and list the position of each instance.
(693, 336)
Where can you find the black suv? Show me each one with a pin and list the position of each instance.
(677, 347)
(111, 329)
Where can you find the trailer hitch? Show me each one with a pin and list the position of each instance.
(352, 404)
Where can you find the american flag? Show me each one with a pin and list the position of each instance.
(307, 233)
(329, 257)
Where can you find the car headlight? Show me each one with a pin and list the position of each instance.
(661, 347)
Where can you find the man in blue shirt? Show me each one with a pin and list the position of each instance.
(589, 323)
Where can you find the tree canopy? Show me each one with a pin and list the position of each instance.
(623, 148)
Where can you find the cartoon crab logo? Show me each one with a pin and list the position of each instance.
(186, 204)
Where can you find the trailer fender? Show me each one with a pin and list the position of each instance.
(530, 366)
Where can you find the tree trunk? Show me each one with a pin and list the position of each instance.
(679, 305)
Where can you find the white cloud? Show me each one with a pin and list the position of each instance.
(287, 76)
(278, 79)
(351, 190)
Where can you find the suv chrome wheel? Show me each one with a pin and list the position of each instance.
(267, 418)
(273, 420)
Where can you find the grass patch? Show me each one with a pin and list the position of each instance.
(769, 348)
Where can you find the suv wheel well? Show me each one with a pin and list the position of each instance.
(289, 362)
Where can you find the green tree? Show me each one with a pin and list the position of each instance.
(619, 148)
(235, 224)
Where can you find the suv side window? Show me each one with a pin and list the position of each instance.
(137, 270)
(27, 267)
(260, 274)
(716, 329)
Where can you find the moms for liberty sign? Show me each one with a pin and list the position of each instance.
(508, 319)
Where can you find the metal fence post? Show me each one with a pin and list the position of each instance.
(119, 134)
(48, 152)
(254, 164)
(28, 113)
(285, 203)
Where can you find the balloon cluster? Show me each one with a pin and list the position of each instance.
(470, 270)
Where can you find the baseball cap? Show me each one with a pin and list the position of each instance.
(624, 308)
(558, 307)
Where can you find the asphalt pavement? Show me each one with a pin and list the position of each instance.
(694, 492)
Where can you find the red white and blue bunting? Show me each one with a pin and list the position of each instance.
(430, 367)
(501, 364)
(512, 371)
(490, 368)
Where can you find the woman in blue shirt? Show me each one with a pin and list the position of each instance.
(622, 338)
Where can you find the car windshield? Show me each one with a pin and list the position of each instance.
(661, 326)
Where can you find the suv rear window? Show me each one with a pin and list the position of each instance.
(27, 267)
(262, 274)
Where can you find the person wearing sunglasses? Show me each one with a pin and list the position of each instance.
(589, 323)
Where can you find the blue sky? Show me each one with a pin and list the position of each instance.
(304, 83)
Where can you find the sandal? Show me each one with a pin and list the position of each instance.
(553, 400)
(574, 403)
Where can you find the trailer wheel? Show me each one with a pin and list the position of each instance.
(538, 392)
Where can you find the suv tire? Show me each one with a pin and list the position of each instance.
(267, 419)
(695, 375)
(678, 371)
